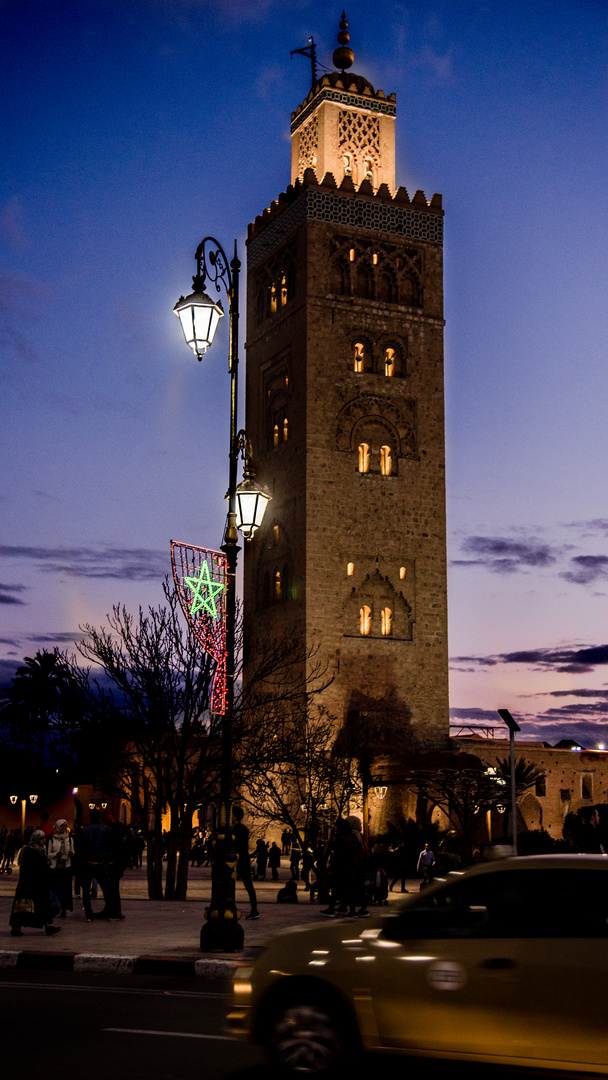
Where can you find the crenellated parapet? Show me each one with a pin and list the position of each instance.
(345, 204)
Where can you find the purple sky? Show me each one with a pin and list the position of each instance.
(130, 130)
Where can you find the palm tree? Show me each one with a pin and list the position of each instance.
(527, 776)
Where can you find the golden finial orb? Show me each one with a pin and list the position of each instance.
(343, 56)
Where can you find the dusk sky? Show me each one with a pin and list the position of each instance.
(133, 128)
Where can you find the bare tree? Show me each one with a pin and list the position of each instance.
(160, 685)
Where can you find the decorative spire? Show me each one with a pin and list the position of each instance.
(343, 56)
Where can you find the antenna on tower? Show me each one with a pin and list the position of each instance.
(309, 50)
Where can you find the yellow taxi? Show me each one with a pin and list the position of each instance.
(506, 963)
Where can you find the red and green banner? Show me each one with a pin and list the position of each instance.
(200, 577)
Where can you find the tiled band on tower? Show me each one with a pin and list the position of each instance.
(345, 408)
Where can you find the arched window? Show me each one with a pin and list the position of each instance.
(368, 169)
(277, 585)
(348, 164)
(340, 278)
(389, 363)
(402, 572)
(283, 290)
(386, 288)
(273, 298)
(359, 361)
(276, 532)
(386, 461)
(363, 282)
(363, 457)
(275, 435)
(285, 429)
(350, 569)
(387, 622)
(365, 620)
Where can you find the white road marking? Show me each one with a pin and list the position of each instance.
(111, 990)
(173, 1034)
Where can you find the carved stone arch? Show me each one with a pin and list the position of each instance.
(376, 433)
(356, 341)
(363, 279)
(339, 276)
(401, 415)
(531, 810)
(378, 594)
(410, 289)
(386, 288)
(391, 348)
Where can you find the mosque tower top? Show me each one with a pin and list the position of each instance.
(345, 127)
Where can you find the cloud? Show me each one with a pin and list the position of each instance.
(127, 564)
(588, 569)
(502, 555)
(568, 660)
(6, 596)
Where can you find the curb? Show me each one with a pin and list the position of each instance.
(33, 960)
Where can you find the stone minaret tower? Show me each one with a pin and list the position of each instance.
(345, 409)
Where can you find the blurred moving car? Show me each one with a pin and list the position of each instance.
(506, 963)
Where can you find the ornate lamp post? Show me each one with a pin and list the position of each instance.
(199, 316)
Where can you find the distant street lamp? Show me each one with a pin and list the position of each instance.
(506, 717)
(15, 799)
(199, 316)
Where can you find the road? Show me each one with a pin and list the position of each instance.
(58, 1024)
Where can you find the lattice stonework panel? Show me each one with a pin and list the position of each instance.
(200, 577)
(309, 142)
(360, 132)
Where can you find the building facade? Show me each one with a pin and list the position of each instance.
(345, 410)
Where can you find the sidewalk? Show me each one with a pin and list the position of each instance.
(156, 937)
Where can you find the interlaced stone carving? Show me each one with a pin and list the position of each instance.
(359, 132)
(309, 142)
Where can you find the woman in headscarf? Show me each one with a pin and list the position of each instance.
(32, 903)
(60, 851)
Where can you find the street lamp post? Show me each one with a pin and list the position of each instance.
(199, 316)
(513, 727)
(14, 799)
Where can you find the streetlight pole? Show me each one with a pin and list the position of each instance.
(199, 316)
(513, 726)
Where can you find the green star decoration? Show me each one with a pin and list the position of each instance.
(201, 584)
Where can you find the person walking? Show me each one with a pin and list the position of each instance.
(32, 903)
(261, 859)
(116, 857)
(426, 865)
(274, 860)
(243, 866)
(399, 865)
(60, 851)
(91, 854)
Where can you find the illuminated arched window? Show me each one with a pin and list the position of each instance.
(387, 622)
(277, 585)
(283, 290)
(365, 620)
(386, 461)
(273, 298)
(363, 457)
(369, 169)
(351, 255)
(275, 534)
(389, 362)
(359, 360)
(350, 569)
(402, 572)
(285, 429)
(348, 164)
(275, 435)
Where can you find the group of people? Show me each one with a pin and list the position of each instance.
(54, 863)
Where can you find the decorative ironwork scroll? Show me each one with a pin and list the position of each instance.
(200, 577)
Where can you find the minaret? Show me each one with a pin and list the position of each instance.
(344, 403)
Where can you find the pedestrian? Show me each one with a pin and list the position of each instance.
(399, 864)
(91, 854)
(294, 861)
(274, 860)
(346, 870)
(60, 851)
(32, 903)
(243, 865)
(588, 837)
(426, 865)
(115, 857)
(286, 838)
(289, 893)
(261, 858)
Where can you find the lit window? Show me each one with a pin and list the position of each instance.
(386, 461)
(402, 572)
(363, 457)
(587, 788)
(283, 290)
(285, 429)
(273, 297)
(286, 380)
(350, 569)
(387, 622)
(359, 362)
(365, 620)
(277, 585)
(275, 534)
(369, 172)
(375, 258)
(348, 165)
(389, 362)
(351, 255)
(275, 435)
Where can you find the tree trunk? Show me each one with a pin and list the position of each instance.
(181, 888)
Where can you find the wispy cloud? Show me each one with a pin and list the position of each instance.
(587, 569)
(7, 591)
(127, 564)
(503, 555)
(567, 660)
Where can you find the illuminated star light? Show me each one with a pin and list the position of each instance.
(204, 582)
